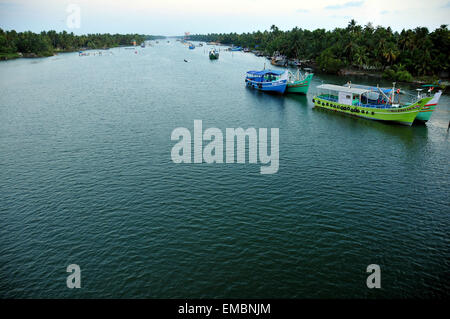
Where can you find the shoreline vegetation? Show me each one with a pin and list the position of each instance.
(414, 56)
(35, 45)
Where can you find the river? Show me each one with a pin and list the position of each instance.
(86, 178)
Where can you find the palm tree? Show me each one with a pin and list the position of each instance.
(390, 53)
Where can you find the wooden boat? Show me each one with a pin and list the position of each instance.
(366, 102)
(267, 80)
(425, 113)
(213, 54)
(299, 84)
(279, 60)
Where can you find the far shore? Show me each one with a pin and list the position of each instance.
(346, 71)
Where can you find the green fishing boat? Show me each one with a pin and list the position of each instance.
(299, 84)
(213, 54)
(374, 104)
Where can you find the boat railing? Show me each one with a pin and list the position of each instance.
(333, 98)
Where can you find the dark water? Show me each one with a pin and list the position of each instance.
(86, 178)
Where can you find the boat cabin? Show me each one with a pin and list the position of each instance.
(358, 96)
(265, 75)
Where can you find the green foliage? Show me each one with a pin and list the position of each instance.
(422, 53)
(328, 62)
(46, 43)
(398, 73)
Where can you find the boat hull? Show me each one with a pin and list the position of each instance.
(426, 112)
(214, 56)
(276, 87)
(299, 87)
(403, 115)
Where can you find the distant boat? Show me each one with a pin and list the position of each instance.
(246, 50)
(191, 46)
(235, 49)
(300, 83)
(279, 60)
(213, 54)
(267, 80)
(143, 45)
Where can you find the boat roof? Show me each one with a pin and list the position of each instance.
(371, 88)
(340, 88)
(264, 72)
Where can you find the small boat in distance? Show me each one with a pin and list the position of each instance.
(300, 83)
(191, 46)
(374, 104)
(235, 49)
(279, 60)
(267, 80)
(213, 54)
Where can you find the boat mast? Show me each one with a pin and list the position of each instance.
(393, 92)
(382, 93)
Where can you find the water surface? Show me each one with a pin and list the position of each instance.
(86, 177)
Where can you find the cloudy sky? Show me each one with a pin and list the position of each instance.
(174, 17)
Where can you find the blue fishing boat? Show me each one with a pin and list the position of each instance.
(191, 46)
(235, 49)
(267, 80)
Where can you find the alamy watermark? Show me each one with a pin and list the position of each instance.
(235, 138)
(74, 279)
(374, 279)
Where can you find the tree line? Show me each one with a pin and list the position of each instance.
(47, 43)
(400, 55)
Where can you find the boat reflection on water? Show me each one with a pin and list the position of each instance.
(410, 136)
(264, 99)
(300, 99)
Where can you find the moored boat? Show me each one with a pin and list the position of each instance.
(300, 83)
(426, 112)
(267, 80)
(367, 103)
(279, 60)
(213, 54)
(191, 46)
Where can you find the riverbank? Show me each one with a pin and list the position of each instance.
(28, 44)
(9, 56)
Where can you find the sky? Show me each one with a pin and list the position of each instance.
(174, 17)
